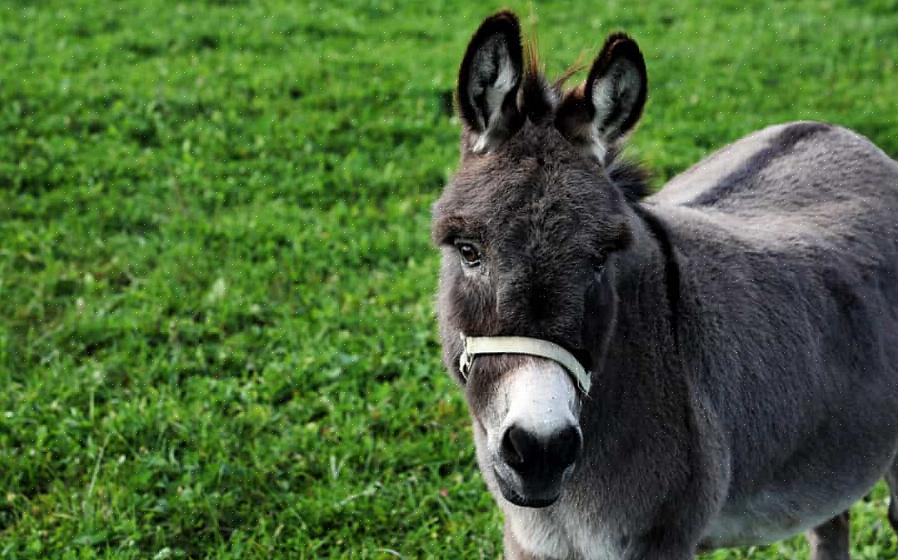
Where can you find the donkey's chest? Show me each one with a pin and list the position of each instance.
(558, 533)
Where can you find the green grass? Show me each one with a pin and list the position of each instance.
(216, 326)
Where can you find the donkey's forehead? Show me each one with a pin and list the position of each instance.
(541, 140)
(536, 163)
(525, 158)
(513, 196)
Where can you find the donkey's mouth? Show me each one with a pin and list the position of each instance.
(527, 495)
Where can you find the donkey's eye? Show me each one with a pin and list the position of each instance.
(469, 253)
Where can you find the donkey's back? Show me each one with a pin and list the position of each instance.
(788, 240)
(808, 171)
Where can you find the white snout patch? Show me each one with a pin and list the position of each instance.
(540, 397)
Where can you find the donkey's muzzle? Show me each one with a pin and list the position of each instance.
(530, 454)
(539, 462)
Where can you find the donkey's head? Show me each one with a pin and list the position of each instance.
(530, 228)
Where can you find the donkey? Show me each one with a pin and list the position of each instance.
(651, 377)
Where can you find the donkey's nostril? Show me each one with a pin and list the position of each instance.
(527, 452)
(566, 446)
(518, 447)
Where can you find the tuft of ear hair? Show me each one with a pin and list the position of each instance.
(488, 82)
(598, 114)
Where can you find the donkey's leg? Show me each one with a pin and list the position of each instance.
(829, 541)
(892, 481)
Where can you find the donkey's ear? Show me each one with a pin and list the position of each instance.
(488, 82)
(602, 110)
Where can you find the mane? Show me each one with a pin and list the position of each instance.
(631, 177)
(540, 98)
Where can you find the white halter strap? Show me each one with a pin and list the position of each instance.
(477, 345)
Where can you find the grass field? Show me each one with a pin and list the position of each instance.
(216, 330)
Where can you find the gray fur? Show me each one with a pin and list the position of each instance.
(743, 337)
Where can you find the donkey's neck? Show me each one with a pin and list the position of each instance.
(642, 368)
(647, 260)
(648, 288)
